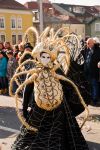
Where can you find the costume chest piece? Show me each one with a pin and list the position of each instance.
(47, 91)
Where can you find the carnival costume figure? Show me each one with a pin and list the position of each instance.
(49, 123)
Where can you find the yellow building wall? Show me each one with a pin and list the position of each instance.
(79, 29)
(26, 22)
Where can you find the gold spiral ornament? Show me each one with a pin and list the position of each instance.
(31, 36)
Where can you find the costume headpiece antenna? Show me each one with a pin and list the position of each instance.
(31, 36)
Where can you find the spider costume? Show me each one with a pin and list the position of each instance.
(50, 123)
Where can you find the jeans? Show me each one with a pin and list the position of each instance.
(95, 84)
(3, 83)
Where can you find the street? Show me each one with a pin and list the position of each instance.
(10, 125)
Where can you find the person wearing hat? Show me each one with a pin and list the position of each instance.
(28, 47)
(3, 72)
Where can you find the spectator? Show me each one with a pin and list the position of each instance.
(7, 46)
(21, 50)
(11, 67)
(15, 51)
(12, 64)
(27, 48)
(95, 72)
(87, 53)
(92, 57)
(1, 46)
(3, 72)
(99, 69)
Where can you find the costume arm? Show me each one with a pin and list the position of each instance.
(27, 98)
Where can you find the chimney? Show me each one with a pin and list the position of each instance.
(46, 1)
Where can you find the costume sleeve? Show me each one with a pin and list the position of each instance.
(76, 74)
(27, 95)
(71, 97)
(27, 98)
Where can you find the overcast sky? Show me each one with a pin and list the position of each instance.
(78, 2)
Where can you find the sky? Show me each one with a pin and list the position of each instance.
(77, 2)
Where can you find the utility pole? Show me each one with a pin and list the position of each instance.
(41, 15)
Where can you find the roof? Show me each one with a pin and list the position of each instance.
(60, 19)
(46, 7)
(31, 5)
(89, 10)
(93, 20)
(73, 20)
(69, 19)
(35, 5)
(11, 4)
(52, 19)
(55, 17)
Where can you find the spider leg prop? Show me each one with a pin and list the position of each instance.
(22, 57)
(80, 97)
(15, 79)
(21, 118)
(22, 64)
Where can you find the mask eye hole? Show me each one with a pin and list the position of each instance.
(48, 57)
(43, 56)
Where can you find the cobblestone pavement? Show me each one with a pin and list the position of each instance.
(10, 125)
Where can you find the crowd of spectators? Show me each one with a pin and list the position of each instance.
(9, 56)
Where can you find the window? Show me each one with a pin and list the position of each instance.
(19, 37)
(80, 10)
(19, 23)
(2, 22)
(2, 38)
(13, 23)
(36, 16)
(70, 9)
(13, 39)
(97, 26)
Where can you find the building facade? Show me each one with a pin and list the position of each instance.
(14, 20)
(94, 26)
(56, 17)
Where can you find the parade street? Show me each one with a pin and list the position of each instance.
(10, 125)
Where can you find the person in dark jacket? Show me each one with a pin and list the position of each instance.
(95, 73)
(99, 69)
(92, 56)
(87, 54)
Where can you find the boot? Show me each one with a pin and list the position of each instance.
(1, 91)
(5, 91)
